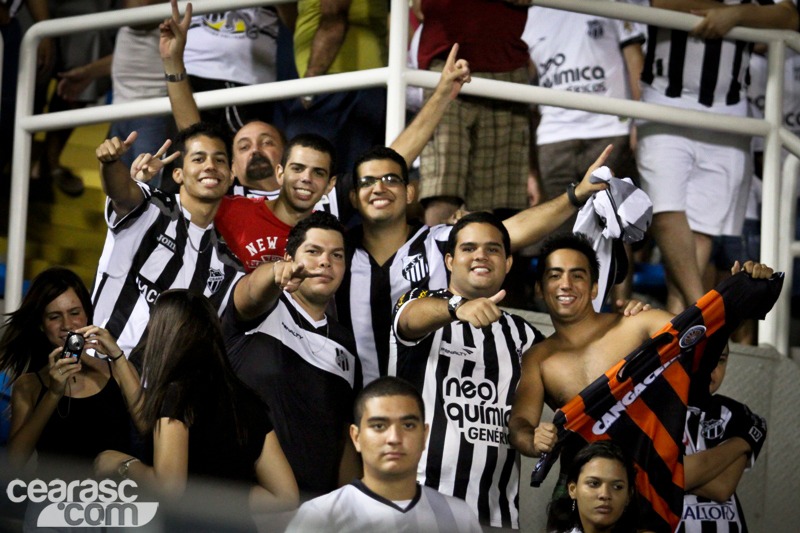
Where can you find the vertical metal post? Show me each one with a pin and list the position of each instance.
(786, 238)
(396, 85)
(20, 171)
(773, 113)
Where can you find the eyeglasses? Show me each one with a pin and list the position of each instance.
(389, 180)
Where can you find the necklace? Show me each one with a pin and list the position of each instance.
(308, 343)
(189, 238)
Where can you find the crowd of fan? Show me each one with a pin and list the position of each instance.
(239, 331)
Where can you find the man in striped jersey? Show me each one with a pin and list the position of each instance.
(584, 346)
(387, 256)
(698, 180)
(463, 353)
(303, 364)
(389, 432)
(157, 242)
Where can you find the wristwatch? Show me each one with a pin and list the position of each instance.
(123, 467)
(454, 303)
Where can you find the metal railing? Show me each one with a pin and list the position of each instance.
(395, 77)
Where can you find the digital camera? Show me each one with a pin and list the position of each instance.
(73, 346)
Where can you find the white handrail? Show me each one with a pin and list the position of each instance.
(786, 254)
(396, 77)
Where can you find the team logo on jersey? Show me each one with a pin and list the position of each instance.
(713, 429)
(692, 336)
(415, 268)
(342, 360)
(215, 279)
(449, 350)
(595, 29)
(756, 433)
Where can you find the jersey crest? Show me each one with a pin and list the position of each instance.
(415, 268)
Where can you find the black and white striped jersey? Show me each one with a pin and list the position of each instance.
(328, 203)
(306, 371)
(704, 430)
(355, 508)
(467, 377)
(368, 292)
(701, 73)
(151, 249)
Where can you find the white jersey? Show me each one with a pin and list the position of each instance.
(355, 508)
(467, 377)
(151, 249)
(585, 56)
(238, 46)
(693, 73)
(368, 292)
(136, 70)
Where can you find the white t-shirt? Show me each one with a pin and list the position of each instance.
(136, 71)
(238, 46)
(583, 55)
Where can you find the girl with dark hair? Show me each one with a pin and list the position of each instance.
(601, 495)
(64, 406)
(193, 392)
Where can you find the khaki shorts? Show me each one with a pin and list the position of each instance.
(479, 151)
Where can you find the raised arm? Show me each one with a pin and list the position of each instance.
(535, 223)
(329, 36)
(123, 192)
(413, 139)
(258, 291)
(527, 433)
(171, 46)
(423, 316)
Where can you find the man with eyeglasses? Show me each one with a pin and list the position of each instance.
(388, 257)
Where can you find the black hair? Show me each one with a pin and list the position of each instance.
(380, 153)
(562, 518)
(207, 129)
(572, 241)
(479, 217)
(281, 135)
(315, 142)
(318, 220)
(24, 346)
(386, 386)
(185, 361)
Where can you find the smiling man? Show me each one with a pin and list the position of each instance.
(463, 354)
(256, 229)
(156, 241)
(302, 364)
(389, 432)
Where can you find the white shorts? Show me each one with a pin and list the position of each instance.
(704, 173)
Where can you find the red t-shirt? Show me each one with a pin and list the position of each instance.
(251, 230)
(489, 34)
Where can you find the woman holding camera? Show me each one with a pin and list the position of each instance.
(64, 407)
(204, 420)
(601, 495)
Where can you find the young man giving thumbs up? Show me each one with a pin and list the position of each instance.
(463, 354)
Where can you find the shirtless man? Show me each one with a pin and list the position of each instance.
(585, 343)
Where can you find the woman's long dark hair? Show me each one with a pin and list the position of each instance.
(184, 352)
(24, 346)
(560, 515)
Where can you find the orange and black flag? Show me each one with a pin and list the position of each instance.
(641, 402)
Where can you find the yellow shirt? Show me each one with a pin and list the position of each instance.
(364, 44)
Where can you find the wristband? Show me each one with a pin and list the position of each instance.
(175, 77)
(114, 359)
(123, 467)
(571, 195)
